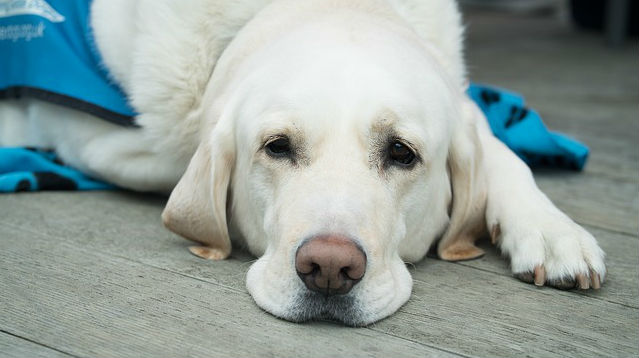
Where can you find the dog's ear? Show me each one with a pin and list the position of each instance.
(196, 208)
(467, 214)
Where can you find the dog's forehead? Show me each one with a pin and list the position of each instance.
(316, 82)
(372, 100)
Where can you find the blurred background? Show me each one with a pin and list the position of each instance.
(573, 66)
(616, 18)
(584, 82)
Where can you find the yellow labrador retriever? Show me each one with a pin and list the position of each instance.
(333, 138)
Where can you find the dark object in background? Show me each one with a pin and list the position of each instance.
(618, 18)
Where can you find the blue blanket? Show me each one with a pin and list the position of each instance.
(25, 169)
(523, 131)
(31, 169)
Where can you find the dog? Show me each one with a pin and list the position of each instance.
(334, 139)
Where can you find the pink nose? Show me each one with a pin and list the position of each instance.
(330, 265)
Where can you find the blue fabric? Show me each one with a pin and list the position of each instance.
(47, 51)
(522, 130)
(23, 169)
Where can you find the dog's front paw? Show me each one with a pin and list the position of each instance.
(551, 250)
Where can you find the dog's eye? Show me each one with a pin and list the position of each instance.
(278, 147)
(401, 154)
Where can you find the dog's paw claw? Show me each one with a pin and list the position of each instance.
(540, 275)
(537, 276)
(581, 281)
(595, 278)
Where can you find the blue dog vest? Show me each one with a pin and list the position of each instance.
(47, 52)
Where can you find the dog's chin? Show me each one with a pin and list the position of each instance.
(286, 297)
(291, 301)
(313, 306)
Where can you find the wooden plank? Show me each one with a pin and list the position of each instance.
(497, 316)
(15, 347)
(612, 158)
(577, 85)
(88, 303)
(123, 224)
(536, 55)
(597, 201)
(611, 130)
(622, 263)
(482, 306)
(605, 119)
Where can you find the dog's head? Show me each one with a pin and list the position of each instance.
(334, 155)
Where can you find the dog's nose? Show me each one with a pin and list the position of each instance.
(330, 265)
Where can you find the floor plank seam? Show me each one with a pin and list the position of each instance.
(418, 342)
(604, 175)
(534, 332)
(167, 270)
(38, 343)
(558, 291)
(562, 292)
(102, 254)
(611, 231)
(600, 174)
(200, 279)
(634, 235)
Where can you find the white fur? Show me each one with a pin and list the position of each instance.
(336, 76)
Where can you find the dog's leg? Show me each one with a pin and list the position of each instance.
(18, 128)
(123, 156)
(544, 245)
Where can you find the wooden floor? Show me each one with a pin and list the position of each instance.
(95, 274)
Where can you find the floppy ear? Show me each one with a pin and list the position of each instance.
(196, 208)
(467, 215)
